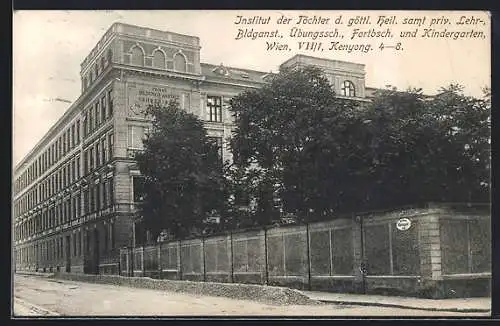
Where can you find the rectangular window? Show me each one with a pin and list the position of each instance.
(73, 172)
(74, 244)
(87, 241)
(56, 182)
(86, 201)
(106, 237)
(97, 114)
(79, 205)
(79, 241)
(111, 192)
(60, 179)
(64, 143)
(91, 158)
(136, 137)
(214, 108)
(97, 155)
(110, 146)
(91, 120)
(85, 162)
(112, 226)
(98, 196)
(77, 141)
(64, 181)
(104, 194)
(103, 109)
(91, 200)
(85, 125)
(77, 168)
(103, 150)
(73, 136)
(110, 103)
(59, 149)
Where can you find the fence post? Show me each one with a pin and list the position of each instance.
(232, 255)
(265, 256)
(143, 268)
(160, 268)
(119, 262)
(203, 258)
(132, 258)
(308, 257)
(180, 260)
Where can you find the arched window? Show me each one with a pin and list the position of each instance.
(179, 62)
(137, 56)
(348, 89)
(159, 59)
(96, 69)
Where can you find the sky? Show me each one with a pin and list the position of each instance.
(49, 46)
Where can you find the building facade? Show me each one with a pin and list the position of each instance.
(73, 193)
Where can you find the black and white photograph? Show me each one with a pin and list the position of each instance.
(251, 163)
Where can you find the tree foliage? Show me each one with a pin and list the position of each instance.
(298, 145)
(183, 181)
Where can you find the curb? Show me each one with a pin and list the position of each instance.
(34, 274)
(42, 311)
(394, 305)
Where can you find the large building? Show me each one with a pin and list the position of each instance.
(73, 201)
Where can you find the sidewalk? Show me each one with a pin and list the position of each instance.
(452, 305)
(46, 274)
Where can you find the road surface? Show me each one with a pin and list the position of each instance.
(38, 296)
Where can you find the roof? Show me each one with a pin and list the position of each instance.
(223, 72)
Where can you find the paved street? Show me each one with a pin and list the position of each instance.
(36, 296)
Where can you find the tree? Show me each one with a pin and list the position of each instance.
(298, 149)
(287, 138)
(422, 149)
(183, 181)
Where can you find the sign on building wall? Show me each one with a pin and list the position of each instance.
(140, 96)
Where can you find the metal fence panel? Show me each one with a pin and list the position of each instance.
(377, 249)
(168, 256)
(124, 262)
(240, 257)
(343, 251)
(465, 245)
(480, 240)
(296, 254)
(138, 259)
(405, 250)
(210, 257)
(255, 256)
(217, 255)
(275, 253)
(320, 252)
(222, 264)
(454, 246)
(151, 259)
(248, 254)
(191, 260)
